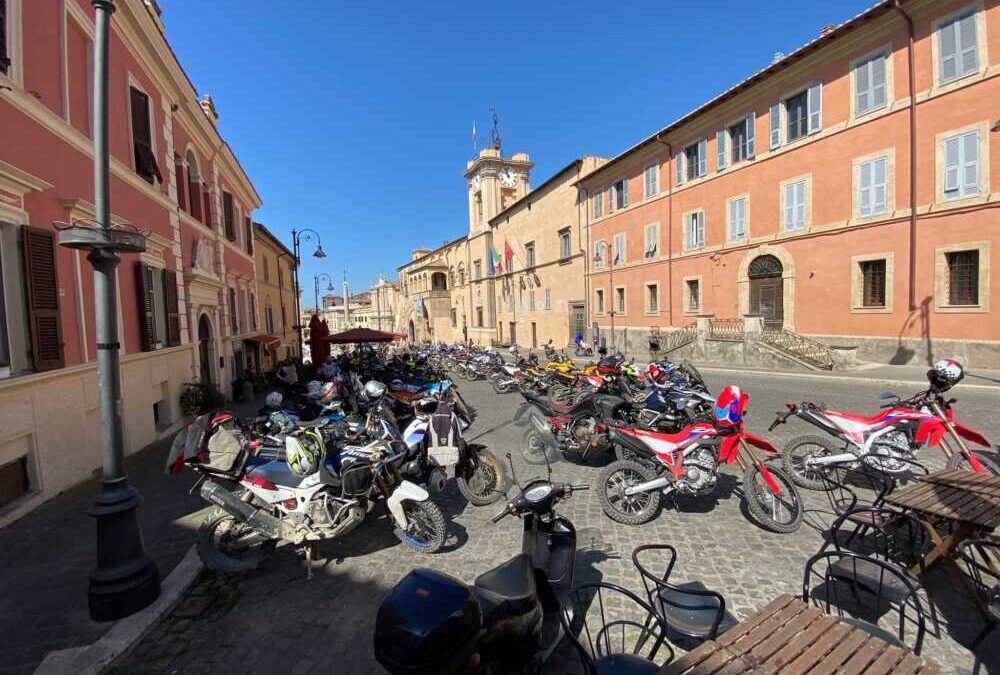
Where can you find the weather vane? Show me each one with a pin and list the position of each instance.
(495, 131)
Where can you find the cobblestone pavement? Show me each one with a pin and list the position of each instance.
(274, 620)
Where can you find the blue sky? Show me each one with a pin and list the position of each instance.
(354, 118)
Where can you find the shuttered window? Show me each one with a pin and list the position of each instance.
(651, 182)
(696, 159)
(961, 165)
(795, 205)
(42, 286)
(694, 230)
(774, 119)
(741, 137)
(228, 216)
(963, 277)
(958, 48)
(721, 154)
(565, 244)
(194, 194)
(652, 298)
(248, 226)
(234, 325)
(873, 283)
(142, 137)
(872, 187)
(652, 241)
(620, 305)
(4, 58)
(619, 250)
(600, 250)
(619, 195)
(599, 204)
(796, 110)
(693, 295)
(738, 219)
(679, 171)
(869, 85)
(159, 317)
(209, 218)
(181, 183)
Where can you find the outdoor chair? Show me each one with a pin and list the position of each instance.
(865, 592)
(890, 535)
(843, 488)
(603, 624)
(688, 609)
(982, 565)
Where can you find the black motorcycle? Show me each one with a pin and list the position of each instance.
(578, 429)
(507, 622)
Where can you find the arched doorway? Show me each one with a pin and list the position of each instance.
(766, 291)
(413, 332)
(439, 282)
(206, 352)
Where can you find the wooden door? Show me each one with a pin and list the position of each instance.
(766, 299)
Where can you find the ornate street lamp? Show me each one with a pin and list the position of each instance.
(297, 235)
(329, 286)
(126, 578)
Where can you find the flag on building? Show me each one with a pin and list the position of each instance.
(491, 264)
(508, 253)
(495, 264)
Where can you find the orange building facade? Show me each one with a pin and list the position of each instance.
(789, 196)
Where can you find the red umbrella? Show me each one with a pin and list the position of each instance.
(358, 335)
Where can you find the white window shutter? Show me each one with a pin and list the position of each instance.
(701, 229)
(865, 189)
(879, 179)
(625, 192)
(969, 47)
(679, 165)
(862, 85)
(800, 204)
(878, 81)
(720, 150)
(702, 157)
(815, 100)
(970, 164)
(751, 136)
(948, 51)
(611, 200)
(774, 117)
(952, 150)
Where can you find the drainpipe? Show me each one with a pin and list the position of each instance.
(911, 83)
(670, 230)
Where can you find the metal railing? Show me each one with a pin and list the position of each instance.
(726, 329)
(674, 339)
(810, 351)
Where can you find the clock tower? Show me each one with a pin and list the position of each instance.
(495, 182)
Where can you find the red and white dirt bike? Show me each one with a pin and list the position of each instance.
(651, 464)
(887, 441)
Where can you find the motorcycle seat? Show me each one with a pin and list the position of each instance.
(509, 588)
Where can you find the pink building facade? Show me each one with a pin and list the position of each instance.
(185, 306)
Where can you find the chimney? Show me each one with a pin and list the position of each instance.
(208, 106)
(827, 29)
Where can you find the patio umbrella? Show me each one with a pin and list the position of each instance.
(358, 335)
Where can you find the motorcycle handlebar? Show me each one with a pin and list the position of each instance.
(500, 516)
(581, 486)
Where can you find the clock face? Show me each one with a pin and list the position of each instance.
(475, 182)
(507, 177)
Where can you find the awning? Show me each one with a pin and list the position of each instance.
(268, 341)
(358, 335)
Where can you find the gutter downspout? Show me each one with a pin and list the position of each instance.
(670, 230)
(911, 83)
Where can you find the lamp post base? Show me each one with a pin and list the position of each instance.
(126, 579)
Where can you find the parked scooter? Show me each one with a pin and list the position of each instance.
(507, 621)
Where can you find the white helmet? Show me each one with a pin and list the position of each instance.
(374, 389)
(274, 399)
(303, 453)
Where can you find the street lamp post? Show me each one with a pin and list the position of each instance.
(126, 578)
(296, 236)
(329, 286)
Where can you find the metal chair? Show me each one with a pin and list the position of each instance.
(982, 565)
(878, 475)
(688, 609)
(867, 602)
(600, 615)
(891, 535)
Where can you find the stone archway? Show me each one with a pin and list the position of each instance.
(206, 350)
(774, 271)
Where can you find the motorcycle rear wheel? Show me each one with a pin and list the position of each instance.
(483, 484)
(793, 457)
(218, 539)
(533, 446)
(780, 512)
(425, 526)
(958, 461)
(628, 509)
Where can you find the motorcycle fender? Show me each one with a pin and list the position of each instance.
(970, 434)
(931, 431)
(768, 478)
(405, 491)
(758, 442)
(729, 449)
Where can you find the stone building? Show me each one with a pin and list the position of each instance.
(275, 301)
(836, 193)
(184, 306)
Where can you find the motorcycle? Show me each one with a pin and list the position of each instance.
(579, 428)
(508, 621)
(437, 448)
(275, 504)
(887, 441)
(653, 464)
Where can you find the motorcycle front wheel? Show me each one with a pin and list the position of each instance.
(226, 545)
(779, 511)
(483, 483)
(634, 509)
(959, 461)
(425, 526)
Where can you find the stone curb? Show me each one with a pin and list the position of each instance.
(125, 634)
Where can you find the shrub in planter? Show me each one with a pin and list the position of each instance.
(198, 398)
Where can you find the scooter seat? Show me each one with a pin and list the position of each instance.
(509, 588)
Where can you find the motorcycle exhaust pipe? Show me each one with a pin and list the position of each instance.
(831, 459)
(655, 484)
(262, 522)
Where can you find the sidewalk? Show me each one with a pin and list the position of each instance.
(49, 553)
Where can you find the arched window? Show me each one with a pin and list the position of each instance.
(439, 282)
(461, 274)
(451, 277)
(195, 198)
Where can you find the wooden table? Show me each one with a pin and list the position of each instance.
(967, 501)
(788, 637)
